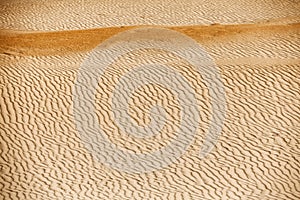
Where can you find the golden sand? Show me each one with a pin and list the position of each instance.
(256, 157)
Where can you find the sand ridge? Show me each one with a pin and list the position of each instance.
(66, 42)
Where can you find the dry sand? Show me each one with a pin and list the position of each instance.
(256, 157)
(83, 14)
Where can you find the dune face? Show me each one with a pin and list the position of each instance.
(43, 153)
(256, 157)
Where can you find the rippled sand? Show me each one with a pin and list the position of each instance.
(256, 157)
(83, 14)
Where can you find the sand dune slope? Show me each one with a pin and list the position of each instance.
(256, 157)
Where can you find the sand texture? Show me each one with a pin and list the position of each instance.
(256, 48)
(84, 14)
(257, 156)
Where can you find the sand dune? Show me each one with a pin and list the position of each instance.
(256, 157)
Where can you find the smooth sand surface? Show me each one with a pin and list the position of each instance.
(256, 157)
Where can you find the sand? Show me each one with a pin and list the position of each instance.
(257, 155)
(86, 14)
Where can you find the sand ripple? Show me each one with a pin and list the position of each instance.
(257, 156)
(86, 14)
